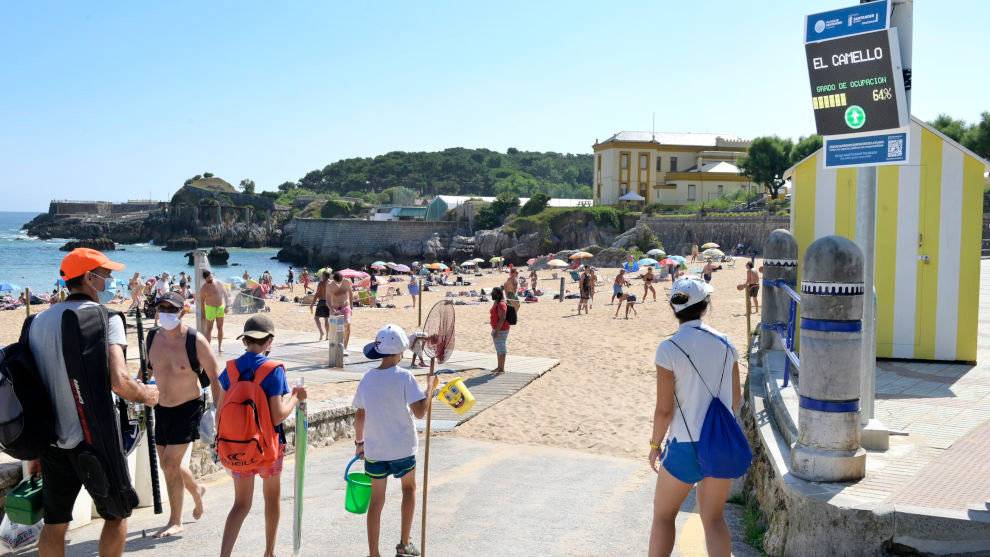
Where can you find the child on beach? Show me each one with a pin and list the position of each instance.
(417, 341)
(386, 400)
(254, 366)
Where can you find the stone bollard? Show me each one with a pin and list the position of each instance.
(335, 333)
(828, 446)
(779, 263)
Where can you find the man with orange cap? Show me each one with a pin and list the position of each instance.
(86, 273)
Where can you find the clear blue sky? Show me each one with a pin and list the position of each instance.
(125, 100)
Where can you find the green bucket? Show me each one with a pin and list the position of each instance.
(358, 494)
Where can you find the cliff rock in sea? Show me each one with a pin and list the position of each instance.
(102, 244)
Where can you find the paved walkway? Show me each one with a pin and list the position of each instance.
(486, 498)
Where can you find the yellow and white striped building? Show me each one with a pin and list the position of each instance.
(928, 241)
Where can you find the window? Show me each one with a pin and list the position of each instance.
(691, 192)
(673, 164)
(625, 161)
(721, 190)
(644, 161)
(659, 158)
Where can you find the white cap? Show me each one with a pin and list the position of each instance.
(390, 340)
(696, 290)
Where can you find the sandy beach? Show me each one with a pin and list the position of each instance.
(599, 399)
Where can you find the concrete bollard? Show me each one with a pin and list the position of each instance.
(779, 263)
(828, 446)
(335, 334)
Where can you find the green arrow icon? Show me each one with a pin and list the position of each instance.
(855, 117)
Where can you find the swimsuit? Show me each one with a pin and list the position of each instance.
(322, 309)
(344, 310)
(178, 425)
(213, 313)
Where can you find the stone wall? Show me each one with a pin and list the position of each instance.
(102, 208)
(678, 233)
(326, 241)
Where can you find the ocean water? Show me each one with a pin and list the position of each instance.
(33, 263)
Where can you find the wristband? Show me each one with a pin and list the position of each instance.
(654, 445)
(356, 442)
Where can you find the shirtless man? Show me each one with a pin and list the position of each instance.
(511, 288)
(710, 267)
(340, 298)
(213, 301)
(180, 406)
(753, 285)
(322, 309)
(533, 280)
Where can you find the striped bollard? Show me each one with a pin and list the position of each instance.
(779, 263)
(828, 446)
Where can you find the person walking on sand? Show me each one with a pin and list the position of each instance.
(511, 288)
(386, 400)
(709, 268)
(498, 319)
(259, 333)
(752, 286)
(136, 289)
(290, 279)
(213, 301)
(617, 285)
(179, 356)
(304, 279)
(585, 286)
(630, 299)
(413, 289)
(322, 309)
(340, 298)
(694, 252)
(594, 284)
(87, 276)
(695, 365)
(533, 278)
(648, 284)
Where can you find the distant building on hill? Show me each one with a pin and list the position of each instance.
(399, 213)
(668, 168)
(440, 204)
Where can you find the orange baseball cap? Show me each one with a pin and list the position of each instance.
(83, 260)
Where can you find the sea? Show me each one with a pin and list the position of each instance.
(32, 263)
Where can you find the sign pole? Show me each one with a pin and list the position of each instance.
(866, 222)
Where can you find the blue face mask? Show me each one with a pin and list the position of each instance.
(108, 292)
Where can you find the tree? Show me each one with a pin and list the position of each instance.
(765, 162)
(285, 187)
(804, 147)
(247, 186)
(493, 215)
(207, 175)
(951, 127)
(977, 137)
(535, 205)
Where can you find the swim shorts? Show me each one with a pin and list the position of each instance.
(322, 309)
(265, 473)
(178, 425)
(707, 277)
(213, 313)
(501, 341)
(681, 461)
(754, 290)
(344, 310)
(397, 468)
(616, 290)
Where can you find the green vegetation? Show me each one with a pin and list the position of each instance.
(975, 137)
(247, 186)
(455, 171)
(754, 525)
(555, 218)
(536, 204)
(335, 208)
(494, 214)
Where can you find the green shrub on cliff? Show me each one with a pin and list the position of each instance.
(335, 208)
(554, 219)
(493, 215)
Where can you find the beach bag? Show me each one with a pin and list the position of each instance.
(721, 449)
(204, 379)
(511, 317)
(15, 537)
(27, 420)
(246, 438)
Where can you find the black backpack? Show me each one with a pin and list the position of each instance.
(204, 379)
(27, 419)
(510, 315)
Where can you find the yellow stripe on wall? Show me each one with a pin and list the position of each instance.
(804, 207)
(926, 298)
(969, 259)
(845, 203)
(886, 256)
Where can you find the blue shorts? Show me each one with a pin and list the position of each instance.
(397, 468)
(681, 461)
(616, 290)
(501, 338)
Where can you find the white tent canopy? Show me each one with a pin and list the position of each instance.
(632, 196)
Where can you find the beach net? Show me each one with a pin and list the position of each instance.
(439, 330)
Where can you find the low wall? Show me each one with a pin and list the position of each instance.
(329, 240)
(678, 234)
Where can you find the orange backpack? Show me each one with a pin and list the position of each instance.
(246, 438)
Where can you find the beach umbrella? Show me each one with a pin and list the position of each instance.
(710, 245)
(354, 275)
(667, 261)
(434, 266)
(378, 265)
(678, 258)
(496, 259)
(9, 287)
(713, 253)
(469, 263)
(581, 255)
(556, 263)
(531, 261)
(238, 281)
(656, 252)
(400, 268)
(648, 262)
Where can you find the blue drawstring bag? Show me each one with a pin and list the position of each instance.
(722, 449)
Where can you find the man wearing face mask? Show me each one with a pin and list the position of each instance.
(182, 362)
(213, 300)
(87, 275)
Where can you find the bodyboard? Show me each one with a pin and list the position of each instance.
(302, 439)
(102, 460)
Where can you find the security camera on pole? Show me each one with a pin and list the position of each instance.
(859, 61)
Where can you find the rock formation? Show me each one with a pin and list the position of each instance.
(102, 244)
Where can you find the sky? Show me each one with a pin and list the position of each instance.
(126, 100)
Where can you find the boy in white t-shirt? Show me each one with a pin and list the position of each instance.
(386, 400)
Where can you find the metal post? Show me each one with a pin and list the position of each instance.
(749, 322)
(27, 301)
(419, 320)
(561, 289)
(866, 222)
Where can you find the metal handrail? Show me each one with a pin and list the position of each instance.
(785, 331)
